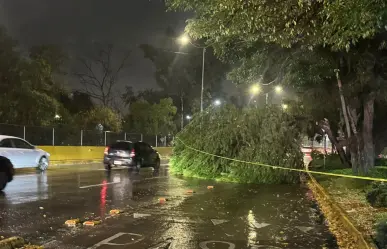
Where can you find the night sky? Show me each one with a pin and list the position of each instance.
(74, 24)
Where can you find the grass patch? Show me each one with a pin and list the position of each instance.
(351, 195)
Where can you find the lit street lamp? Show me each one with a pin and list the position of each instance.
(217, 102)
(285, 106)
(184, 40)
(188, 117)
(57, 116)
(278, 89)
(255, 89)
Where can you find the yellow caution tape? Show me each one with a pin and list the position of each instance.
(284, 168)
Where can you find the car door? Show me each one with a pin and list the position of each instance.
(26, 152)
(7, 150)
(150, 154)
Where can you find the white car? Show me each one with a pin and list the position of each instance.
(22, 154)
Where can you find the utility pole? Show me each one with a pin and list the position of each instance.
(202, 92)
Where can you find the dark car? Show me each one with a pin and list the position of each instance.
(6, 172)
(126, 153)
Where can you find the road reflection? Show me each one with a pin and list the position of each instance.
(27, 188)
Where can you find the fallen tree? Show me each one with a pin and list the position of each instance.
(267, 135)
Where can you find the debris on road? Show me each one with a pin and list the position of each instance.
(210, 187)
(162, 200)
(41, 208)
(304, 229)
(190, 191)
(72, 223)
(115, 212)
(13, 242)
(91, 223)
(32, 247)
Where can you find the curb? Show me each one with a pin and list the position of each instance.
(338, 220)
(10, 243)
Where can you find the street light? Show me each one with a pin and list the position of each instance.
(184, 40)
(217, 102)
(255, 89)
(278, 89)
(57, 116)
(285, 106)
(188, 117)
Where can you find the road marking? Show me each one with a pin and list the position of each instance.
(218, 222)
(22, 176)
(115, 168)
(137, 215)
(107, 241)
(260, 225)
(101, 184)
(203, 245)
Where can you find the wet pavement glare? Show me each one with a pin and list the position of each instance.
(36, 205)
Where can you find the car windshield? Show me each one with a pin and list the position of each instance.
(122, 146)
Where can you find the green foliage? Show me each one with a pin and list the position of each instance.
(27, 89)
(268, 136)
(338, 24)
(332, 161)
(381, 234)
(381, 162)
(377, 196)
(152, 119)
(109, 119)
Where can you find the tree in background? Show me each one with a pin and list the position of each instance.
(151, 119)
(110, 120)
(178, 74)
(100, 74)
(26, 87)
(53, 55)
(350, 33)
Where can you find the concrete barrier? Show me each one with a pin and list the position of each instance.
(68, 154)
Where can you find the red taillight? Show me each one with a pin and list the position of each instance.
(106, 150)
(133, 153)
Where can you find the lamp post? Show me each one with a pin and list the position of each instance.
(184, 40)
(256, 89)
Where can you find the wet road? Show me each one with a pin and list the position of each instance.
(35, 206)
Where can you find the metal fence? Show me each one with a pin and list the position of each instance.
(67, 136)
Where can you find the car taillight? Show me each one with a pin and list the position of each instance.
(133, 153)
(106, 150)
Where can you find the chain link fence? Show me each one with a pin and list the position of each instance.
(67, 136)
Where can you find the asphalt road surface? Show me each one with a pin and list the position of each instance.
(229, 216)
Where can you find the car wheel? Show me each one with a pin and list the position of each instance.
(43, 163)
(3, 180)
(139, 165)
(157, 165)
(108, 166)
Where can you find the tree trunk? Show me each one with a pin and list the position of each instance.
(368, 120)
(343, 105)
(324, 124)
(182, 112)
(355, 142)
